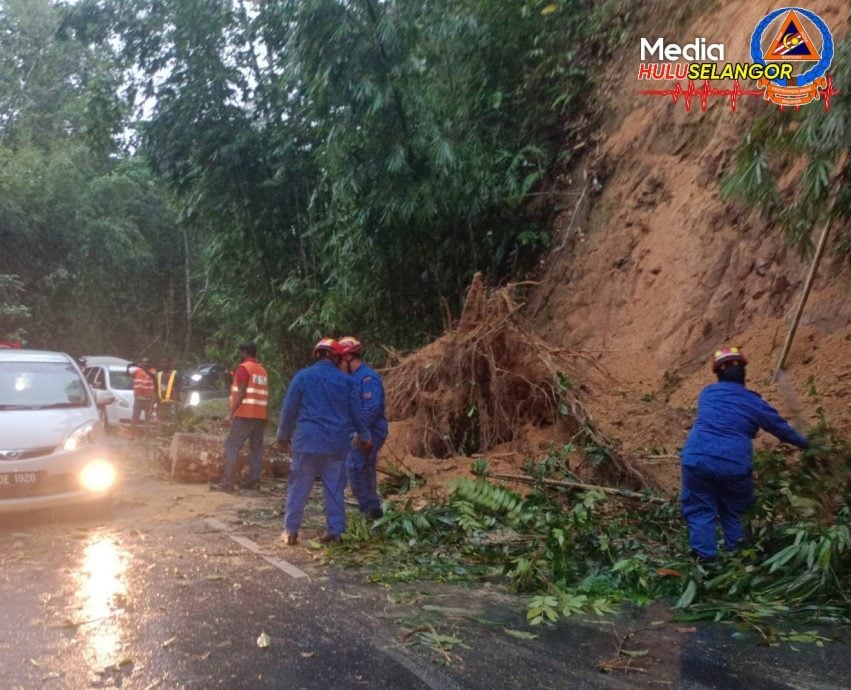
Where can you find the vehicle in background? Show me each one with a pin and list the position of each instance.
(51, 436)
(110, 374)
(206, 381)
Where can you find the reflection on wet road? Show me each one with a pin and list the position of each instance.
(101, 594)
(175, 589)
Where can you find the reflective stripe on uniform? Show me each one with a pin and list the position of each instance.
(255, 404)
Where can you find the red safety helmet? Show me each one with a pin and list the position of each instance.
(325, 345)
(727, 355)
(349, 346)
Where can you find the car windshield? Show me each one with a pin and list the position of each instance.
(120, 380)
(40, 385)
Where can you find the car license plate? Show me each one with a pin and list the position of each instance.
(18, 478)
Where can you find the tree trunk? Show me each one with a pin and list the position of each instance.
(200, 458)
(187, 286)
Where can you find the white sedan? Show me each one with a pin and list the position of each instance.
(51, 450)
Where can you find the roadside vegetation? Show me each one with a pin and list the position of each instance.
(585, 552)
(819, 144)
(181, 174)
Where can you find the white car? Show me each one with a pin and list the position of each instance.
(110, 374)
(51, 436)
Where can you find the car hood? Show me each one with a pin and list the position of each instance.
(23, 429)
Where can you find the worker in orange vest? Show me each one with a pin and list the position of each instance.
(143, 392)
(246, 416)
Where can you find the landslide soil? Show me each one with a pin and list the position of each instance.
(651, 270)
(654, 270)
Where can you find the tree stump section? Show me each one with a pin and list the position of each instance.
(200, 458)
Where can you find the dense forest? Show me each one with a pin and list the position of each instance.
(179, 175)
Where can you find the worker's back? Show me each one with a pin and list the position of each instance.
(728, 417)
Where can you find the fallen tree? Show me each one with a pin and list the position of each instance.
(486, 381)
(194, 457)
(580, 549)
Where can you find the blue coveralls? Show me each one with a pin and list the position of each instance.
(360, 465)
(717, 463)
(319, 410)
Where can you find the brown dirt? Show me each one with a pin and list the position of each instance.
(490, 388)
(657, 270)
(652, 271)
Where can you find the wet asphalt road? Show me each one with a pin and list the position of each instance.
(175, 588)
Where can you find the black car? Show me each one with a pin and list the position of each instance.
(206, 381)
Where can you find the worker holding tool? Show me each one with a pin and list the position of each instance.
(717, 459)
(360, 465)
(319, 411)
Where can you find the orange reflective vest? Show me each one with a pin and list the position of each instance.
(166, 394)
(256, 400)
(143, 384)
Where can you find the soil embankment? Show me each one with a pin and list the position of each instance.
(651, 270)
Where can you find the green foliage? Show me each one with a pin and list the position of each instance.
(346, 165)
(582, 552)
(330, 166)
(479, 467)
(821, 141)
(13, 314)
(87, 234)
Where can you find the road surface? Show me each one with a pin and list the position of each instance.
(184, 588)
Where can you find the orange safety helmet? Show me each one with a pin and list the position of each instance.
(325, 345)
(349, 345)
(726, 355)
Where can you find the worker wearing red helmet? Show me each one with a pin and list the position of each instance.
(717, 459)
(361, 464)
(319, 410)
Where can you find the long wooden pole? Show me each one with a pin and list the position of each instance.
(805, 293)
(525, 479)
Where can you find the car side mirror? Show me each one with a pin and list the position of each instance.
(103, 398)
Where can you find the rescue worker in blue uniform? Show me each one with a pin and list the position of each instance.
(717, 459)
(319, 410)
(361, 464)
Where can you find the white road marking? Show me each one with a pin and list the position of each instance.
(256, 549)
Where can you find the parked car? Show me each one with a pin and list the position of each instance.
(51, 437)
(110, 374)
(206, 381)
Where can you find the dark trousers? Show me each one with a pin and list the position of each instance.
(242, 428)
(362, 475)
(708, 497)
(141, 405)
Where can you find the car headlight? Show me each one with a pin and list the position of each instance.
(98, 475)
(85, 435)
(194, 399)
(196, 377)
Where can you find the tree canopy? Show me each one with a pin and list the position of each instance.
(178, 175)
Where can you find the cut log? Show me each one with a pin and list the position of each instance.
(200, 458)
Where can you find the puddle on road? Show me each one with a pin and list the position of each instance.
(100, 580)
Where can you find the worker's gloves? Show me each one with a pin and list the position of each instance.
(365, 446)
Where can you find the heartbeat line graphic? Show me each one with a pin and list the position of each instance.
(704, 92)
(829, 92)
(707, 90)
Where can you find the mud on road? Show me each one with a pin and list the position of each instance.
(185, 588)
